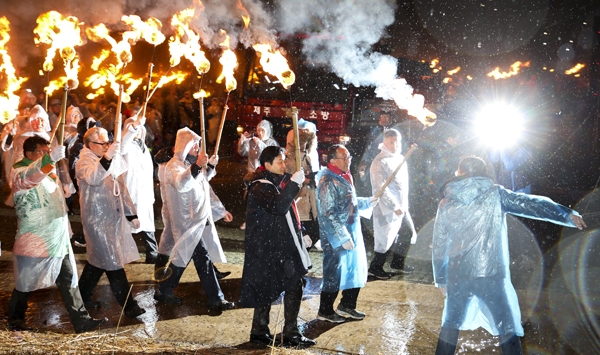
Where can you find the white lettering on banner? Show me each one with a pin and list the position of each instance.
(324, 115)
(313, 114)
(267, 111)
(257, 109)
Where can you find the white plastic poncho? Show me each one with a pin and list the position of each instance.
(395, 197)
(110, 244)
(43, 231)
(248, 146)
(139, 176)
(470, 245)
(188, 198)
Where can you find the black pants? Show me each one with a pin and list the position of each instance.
(118, 284)
(150, 243)
(17, 307)
(348, 300)
(291, 307)
(206, 273)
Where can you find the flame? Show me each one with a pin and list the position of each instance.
(61, 33)
(514, 70)
(575, 69)
(178, 77)
(274, 63)
(109, 76)
(201, 93)
(447, 80)
(92, 96)
(453, 71)
(121, 49)
(403, 96)
(434, 63)
(100, 59)
(246, 15)
(229, 62)
(9, 102)
(149, 30)
(469, 77)
(190, 47)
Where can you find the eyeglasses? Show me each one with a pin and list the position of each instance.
(43, 151)
(348, 158)
(103, 144)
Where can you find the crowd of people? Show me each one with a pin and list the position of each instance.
(292, 206)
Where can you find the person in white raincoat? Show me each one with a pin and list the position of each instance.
(191, 222)
(139, 179)
(42, 254)
(470, 254)
(165, 246)
(252, 145)
(105, 210)
(392, 210)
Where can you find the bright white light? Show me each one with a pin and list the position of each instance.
(498, 125)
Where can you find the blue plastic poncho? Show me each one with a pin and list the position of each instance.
(470, 252)
(339, 221)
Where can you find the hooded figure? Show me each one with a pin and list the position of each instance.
(42, 253)
(187, 194)
(392, 208)
(106, 208)
(471, 258)
(252, 146)
(139, 179)
(72, 118)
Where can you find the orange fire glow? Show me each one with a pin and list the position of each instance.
(575, 69)
(229, 62)
(403, 96)
(514, 70)
(453, 71)
(148, 30)
(121, 49)
(9, 102)
(201, 93)
(246, 15)
(274, 63)
(186, 42)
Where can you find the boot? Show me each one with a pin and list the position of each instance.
(120, 287)
(376, 268)
(16, 310)
(447, 341)
(161, 261)
(165, 288)
(221, 275)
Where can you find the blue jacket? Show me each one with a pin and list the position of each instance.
(470, 238)
(339, 221)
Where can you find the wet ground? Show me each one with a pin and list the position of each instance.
(558, 292)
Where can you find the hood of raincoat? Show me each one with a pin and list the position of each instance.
(266, 125)
(185, 140)
(130, 121)
(466, 189)
(38, 112)
(73, 116)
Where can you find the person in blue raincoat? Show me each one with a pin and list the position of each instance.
(344, 256)
(470, 254)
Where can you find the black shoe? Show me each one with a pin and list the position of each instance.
(168, 299)
(379, 274)
(332, 318)
(224, 305)
(298, 341)
(78, 240)
(265, 339)
(91, 324)
(92, 305)
(134, 311)
(221, 275)
(350, 313)
(19, 325)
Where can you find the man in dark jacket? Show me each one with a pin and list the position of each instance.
(275, 255)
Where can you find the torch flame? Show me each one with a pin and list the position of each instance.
(229, 62)
(514, 70)
(434, 63)
(403, 96)
(121, 49)
(190, 48)
(9, 102)
(274, 63)
(149, 30)
(575, 69)
(246, 15)
(62, 34)
(453, 71)
(201, 93)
